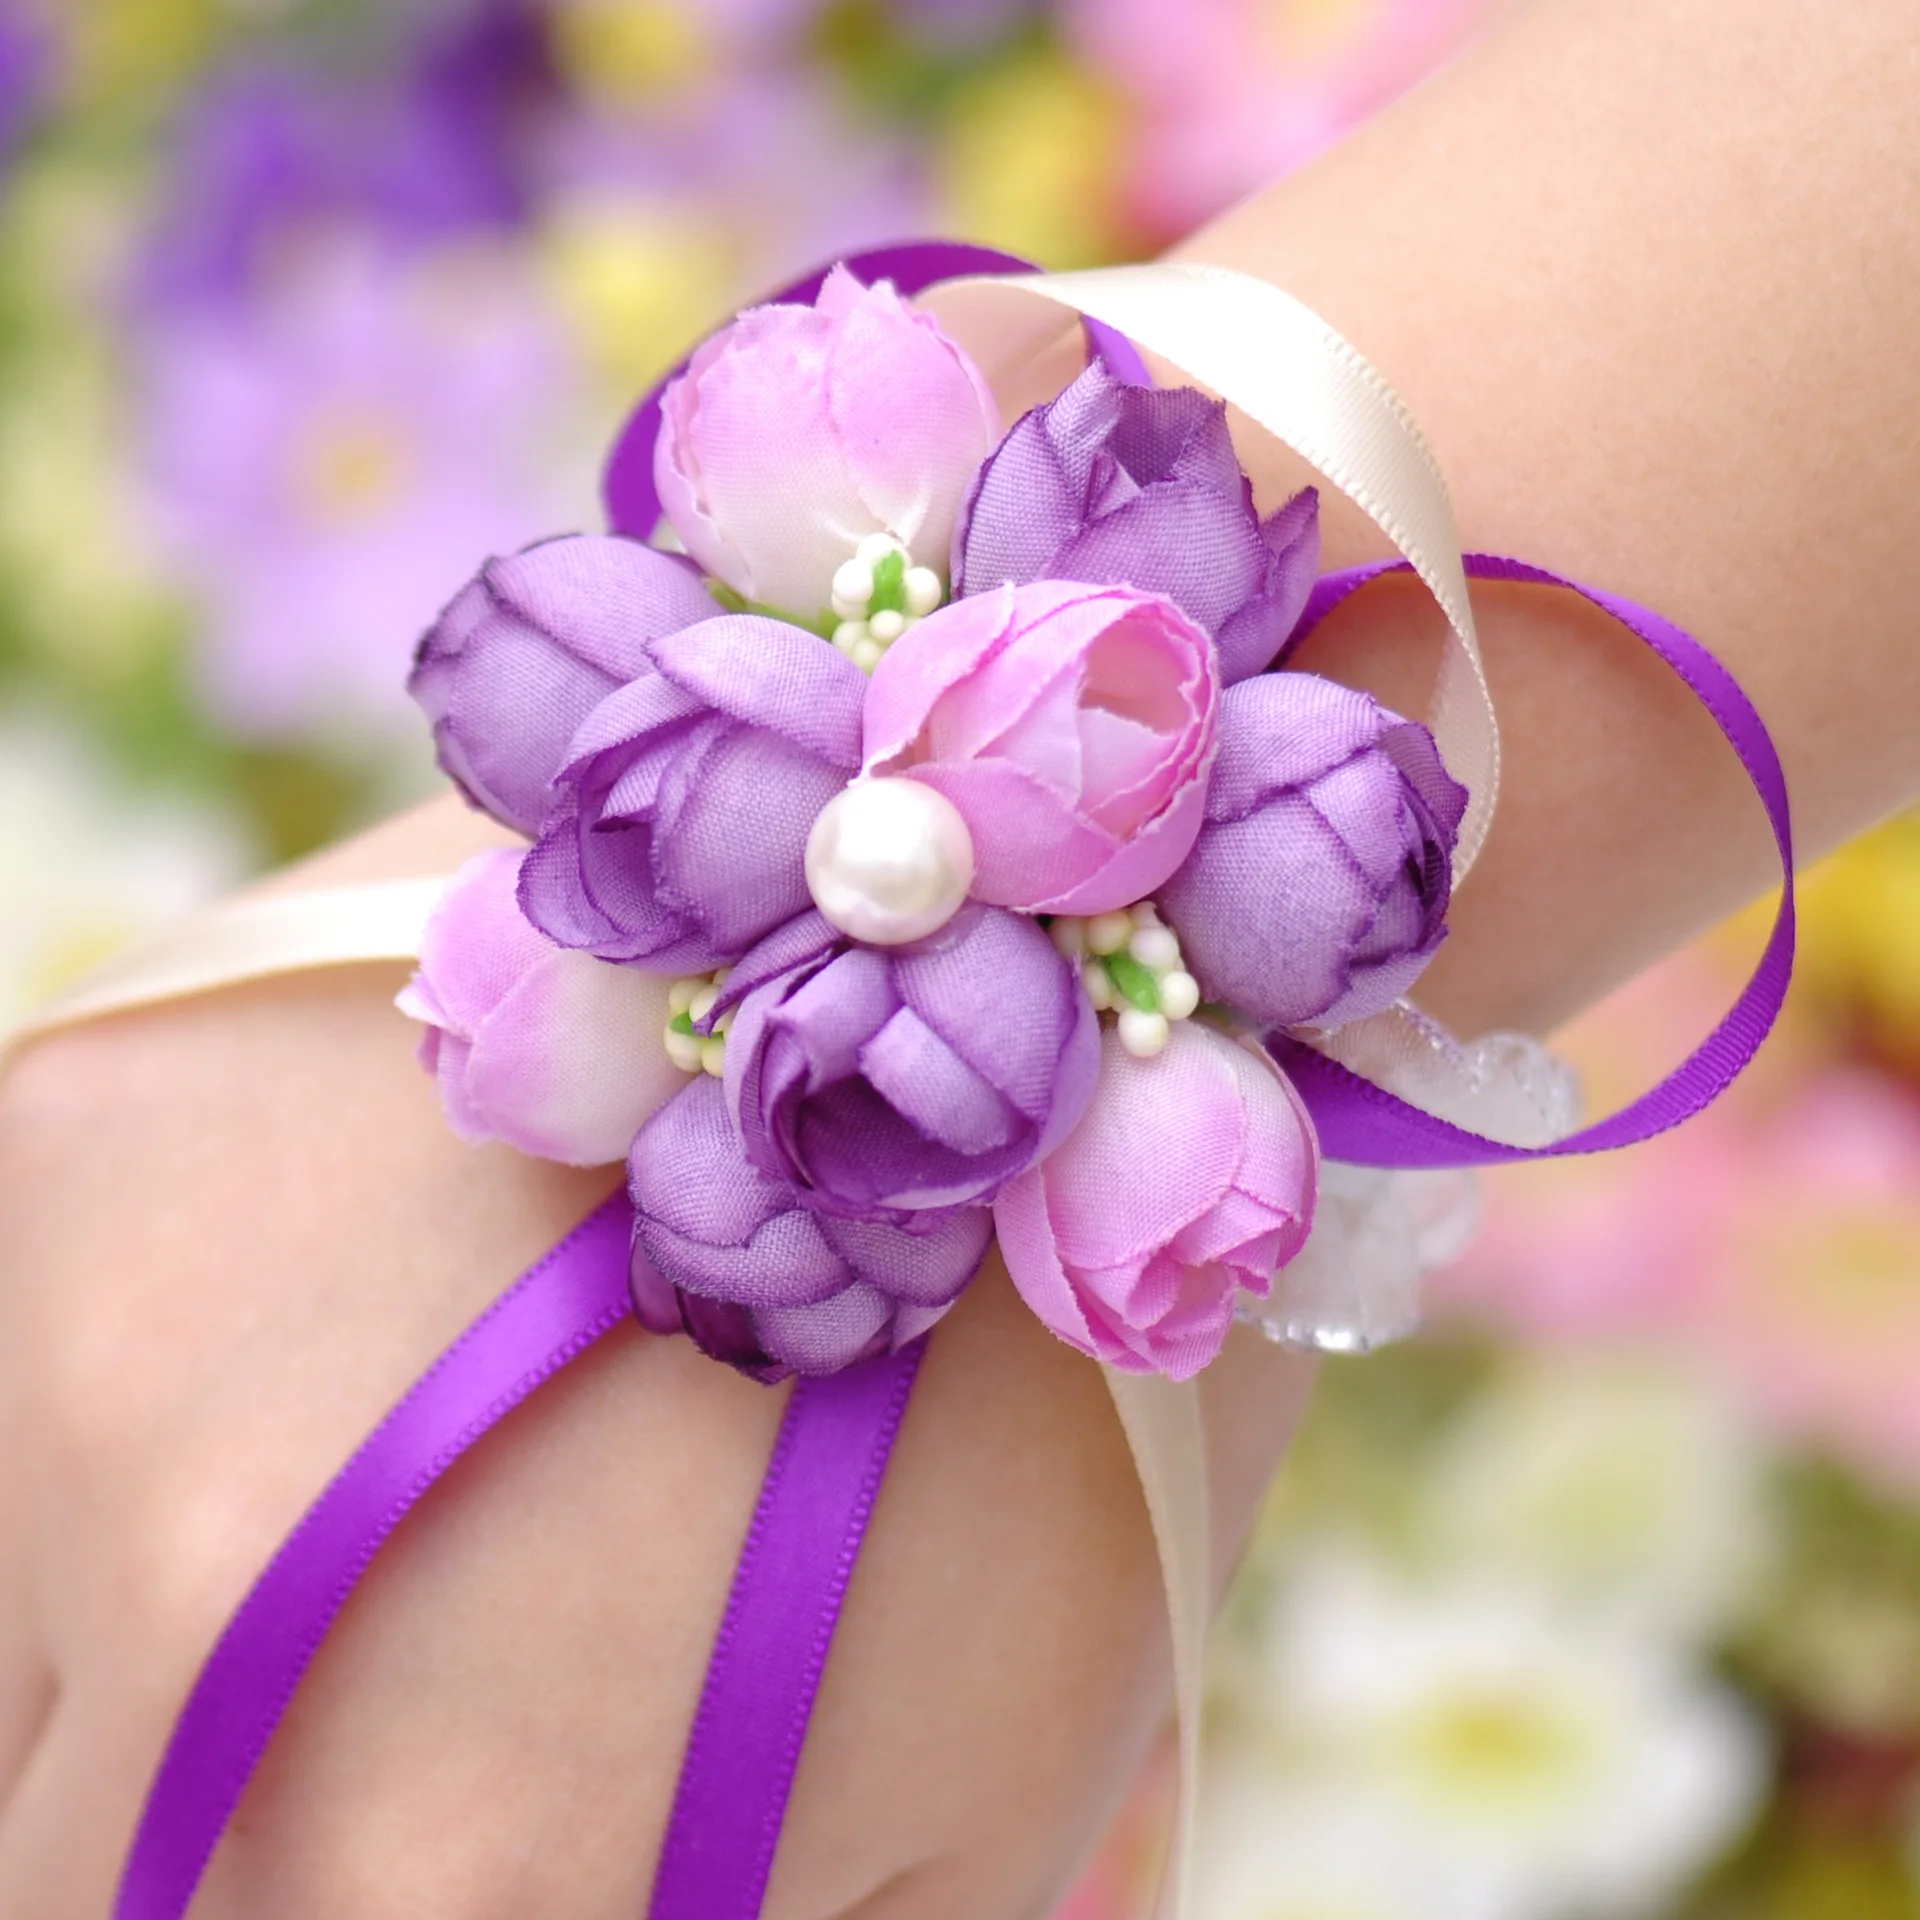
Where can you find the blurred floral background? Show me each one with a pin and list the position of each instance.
(1602, 1598)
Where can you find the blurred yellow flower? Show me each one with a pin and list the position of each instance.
(628, 51)
(1031, 155)
(83, 581)
(351, 464)
(1860, 930)
(640, 283)
(130, 51)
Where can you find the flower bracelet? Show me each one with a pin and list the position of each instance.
(928, 843)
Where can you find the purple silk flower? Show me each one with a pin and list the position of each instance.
(1072, 726)
(678, 833)
(731, 1257)
(1318, 888)
(529, 647)
(880, 1081)
(1191, 1176)
(1113, 483)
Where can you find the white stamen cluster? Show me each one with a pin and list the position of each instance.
(878, 595)
(689, 1001)
(1130, 964)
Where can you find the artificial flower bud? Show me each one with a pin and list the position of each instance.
(1071, 726)
(1191, 1176)
(797, 432)
(1113, 483)
(1317, 890)
(529, 647)
(772, 1287)
(679, 829)
(879, 1081)
(555, 1053)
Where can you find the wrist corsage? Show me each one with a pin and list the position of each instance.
(928, 841)
(923, 834)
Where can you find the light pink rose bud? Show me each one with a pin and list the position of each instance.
(799, 431)
(1192, 1175)
(554, 1052)
(1072, 726)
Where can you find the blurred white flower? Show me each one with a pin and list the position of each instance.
(1472, 1752)
(87, 866)
(1634, 1487)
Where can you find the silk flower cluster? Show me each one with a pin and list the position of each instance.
(919, 852)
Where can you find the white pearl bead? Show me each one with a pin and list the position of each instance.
(683, 1049)
(1109, 932)
(887, 626)
(1144, 1034)
(866, 653)
(1179, 994)
(923, 590)
(875, 548)
(713, 1057)
(889, 860)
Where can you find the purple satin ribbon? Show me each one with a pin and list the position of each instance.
(1363, 1123)
(551, 1315)
(633, 504)
(834, 1444)
(773, 1642)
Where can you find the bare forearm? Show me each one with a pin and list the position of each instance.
(1646, 273)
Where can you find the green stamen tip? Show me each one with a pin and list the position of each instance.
(1133, 980)
(889, 585)
(682, 1023)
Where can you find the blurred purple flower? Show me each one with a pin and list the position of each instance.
(764, 160)
(26, 59)
(324, 462)
(435, 139)
(731, 1257)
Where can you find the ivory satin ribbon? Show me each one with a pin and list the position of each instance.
(1290, 374)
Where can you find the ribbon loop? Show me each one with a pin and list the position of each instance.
(1364, 1123)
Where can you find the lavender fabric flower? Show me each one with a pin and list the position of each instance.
(731, 1257)
(1114, 483)
(798, 431)
(550, 1051)
(1317, 890)
(529, 647)
(1191, 1176)
(1072, 727)
(879, 1081)
(678, 832)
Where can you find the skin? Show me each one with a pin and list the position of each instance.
(1645, 271)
